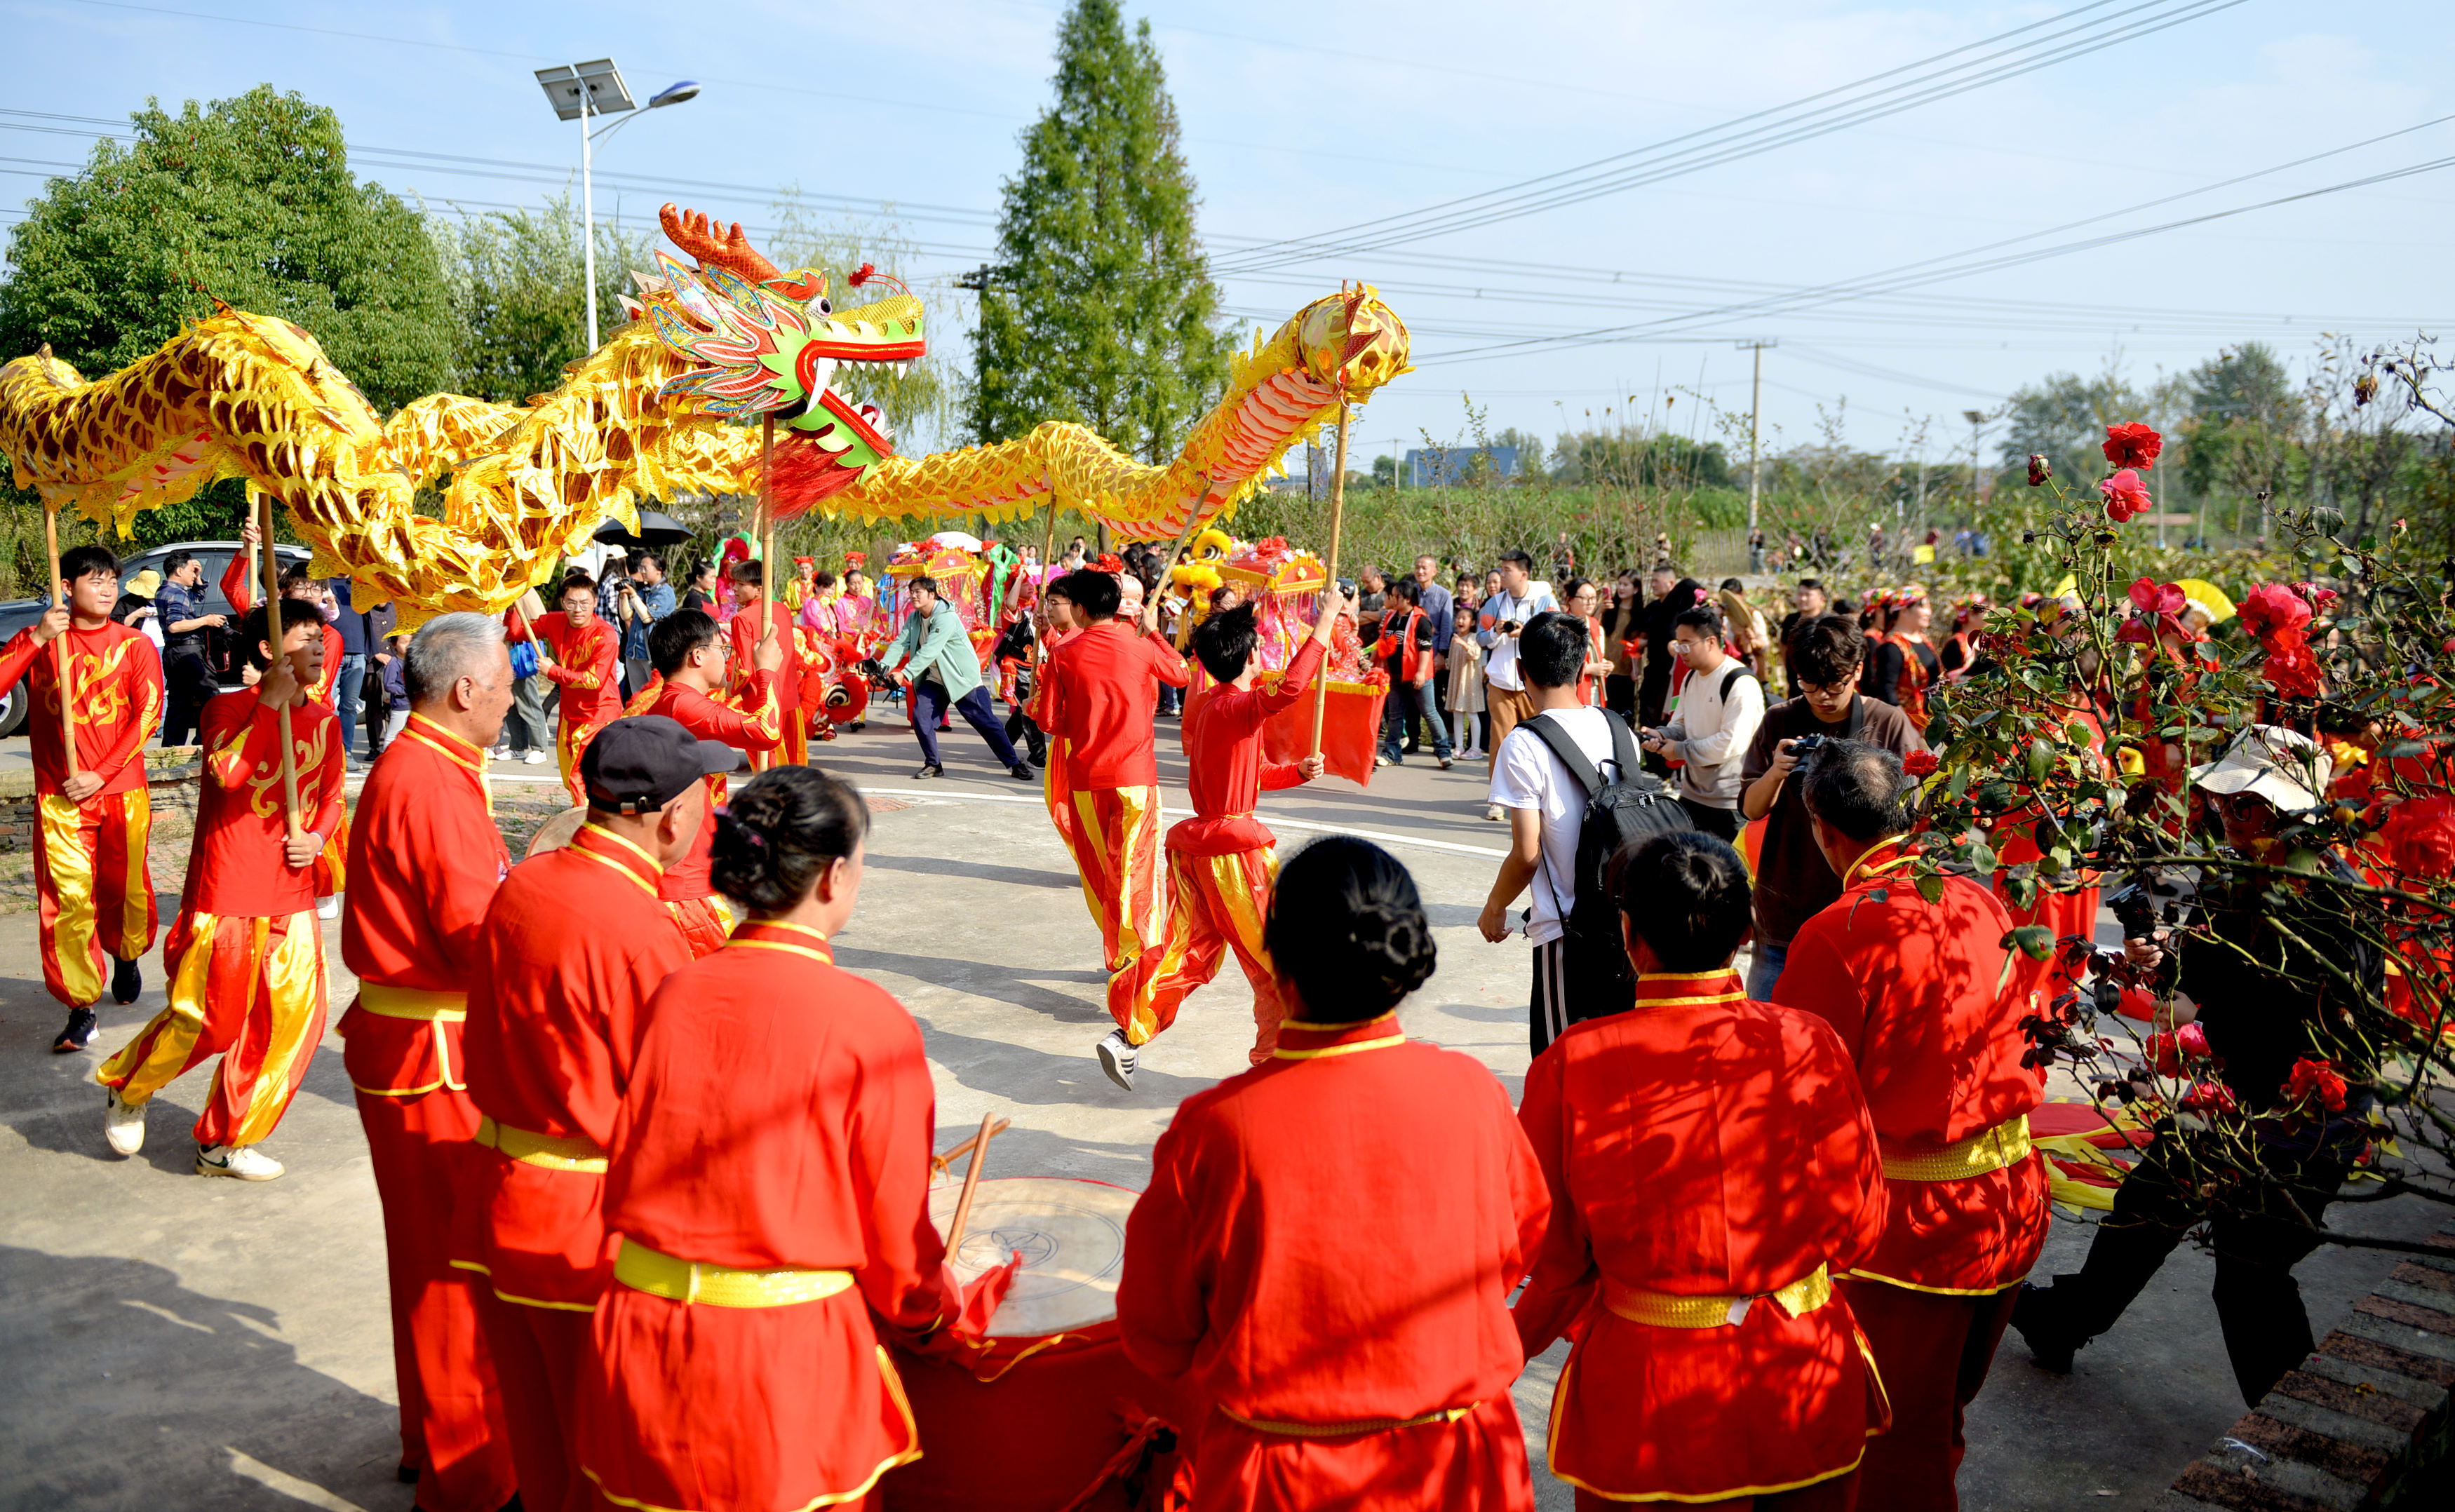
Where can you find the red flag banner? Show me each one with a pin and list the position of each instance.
(1351, 729)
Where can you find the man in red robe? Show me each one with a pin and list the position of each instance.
(427, 859)
(689, 658)
(245, 956)
(239, 580)
(573, 946)
(1328, 1244)
(762, 625)
(1712, 1167)
(1100, 689)
(587, 665)
(1220, 861)
(1922, 995)
(93, 817)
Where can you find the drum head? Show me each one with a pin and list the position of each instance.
(556, 832)
(1072, 1235)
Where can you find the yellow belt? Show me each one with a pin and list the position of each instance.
(660, 1275)
(413, 1003)
(542, 1149)
(2007, 1143)
(1663, 1310)
(1343, 1430)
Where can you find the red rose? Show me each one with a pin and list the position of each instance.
(2319, 598)
(2210, 1096)
(2290, 668)
(2272, 607)
(2167, 1051)
(2315, 1079)
(2040, 468)
(2132, 445)
(2124, 496)
(1920, 763)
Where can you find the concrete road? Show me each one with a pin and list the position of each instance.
(174, 1342)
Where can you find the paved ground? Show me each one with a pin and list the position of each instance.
(205, 1345)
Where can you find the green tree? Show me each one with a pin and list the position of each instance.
(513, 280)
(1099, 307)
(249, 201)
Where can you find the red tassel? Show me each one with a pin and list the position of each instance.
(862, 274)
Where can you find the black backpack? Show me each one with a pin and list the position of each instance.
(1618, 815)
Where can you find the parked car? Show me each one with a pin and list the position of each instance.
(16, 613)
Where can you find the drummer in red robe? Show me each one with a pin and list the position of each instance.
(573, 946)
(427, 859)
(1220, 861)
(751, 634)
(1922, 995)
(1099, 693)
(1712, 1167)
(1326, 1248)
(688, 655)
(769, 1177)
(585, 665)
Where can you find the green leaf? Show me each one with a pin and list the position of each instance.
(2041, 760)
(1931, 888)
(2035, 940)
(1959, 787)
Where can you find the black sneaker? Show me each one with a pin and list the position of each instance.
(2050, 1349)
(932, 770)
(127, 980)
(82, 1026)
(1022, 772)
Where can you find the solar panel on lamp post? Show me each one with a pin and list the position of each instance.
(580, 91)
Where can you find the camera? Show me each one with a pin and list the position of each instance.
(1805, 746)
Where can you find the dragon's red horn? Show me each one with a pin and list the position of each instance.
(692, 231)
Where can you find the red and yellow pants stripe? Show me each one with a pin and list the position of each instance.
(1115, 838)
(569, 744)
(707, 922)
(1220, 904)
(249, 990)
(93, 891)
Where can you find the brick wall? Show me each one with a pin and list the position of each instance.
(2362, 1423)
(170, 777)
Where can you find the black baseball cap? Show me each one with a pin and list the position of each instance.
(637, 766)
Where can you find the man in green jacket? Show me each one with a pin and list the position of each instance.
(946, 672)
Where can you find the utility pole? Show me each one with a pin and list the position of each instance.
(1976, 419)
(1755, 413)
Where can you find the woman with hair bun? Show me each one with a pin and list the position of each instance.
(1329, 1242)
(769, 1176)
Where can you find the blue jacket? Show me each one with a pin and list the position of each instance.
(942, 646)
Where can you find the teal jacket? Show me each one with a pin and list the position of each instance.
(943, 645)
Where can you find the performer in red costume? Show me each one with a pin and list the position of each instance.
(427, 859)
(1920, 994)
(245, 956)
(1101, 688)
(769, 1178)
(689, 658)
(748, 630)
(1328, 1241)
(571, 950)
(93, 889)
(1221, 863)
(1719, 1369)
(1058, 625)
(587, 665)
(238, 585)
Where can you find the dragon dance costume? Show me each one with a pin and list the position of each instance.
(1920, 993)
(245, 956)
(331, 868)
(1349, 1337)
(1097, 697)
(587, 668)
(573, 947)
(1222, 861)
(428, 860)
(792, 746)
(93, 890)
(746, 720)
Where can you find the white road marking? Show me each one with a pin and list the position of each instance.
(1381, 836)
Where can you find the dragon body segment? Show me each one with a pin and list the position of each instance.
(646, 414)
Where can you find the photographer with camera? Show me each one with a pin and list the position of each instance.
(641, 596)
(2268, 983)
(1792, 881)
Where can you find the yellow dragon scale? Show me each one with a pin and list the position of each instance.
(250, 396)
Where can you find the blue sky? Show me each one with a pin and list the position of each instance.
(1300, 119)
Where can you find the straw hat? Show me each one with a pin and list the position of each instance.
(2286, 768)
(145, 584)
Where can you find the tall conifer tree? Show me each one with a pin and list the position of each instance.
(1100, 307)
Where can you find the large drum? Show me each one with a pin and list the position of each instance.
(1046, 1409)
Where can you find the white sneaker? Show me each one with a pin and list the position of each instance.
(123, 1124)
(1117, 1058)
(245, 1161)
(328, 907)
(1493, 813)
(535, 758)
(500, 753)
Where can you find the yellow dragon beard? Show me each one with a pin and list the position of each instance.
(251, 396)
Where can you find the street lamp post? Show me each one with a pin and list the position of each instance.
(579, 91)
(1976, 419)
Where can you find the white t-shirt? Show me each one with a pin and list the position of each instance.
(1528, 775)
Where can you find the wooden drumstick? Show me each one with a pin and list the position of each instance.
(940, 1163)
(972, 1184)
